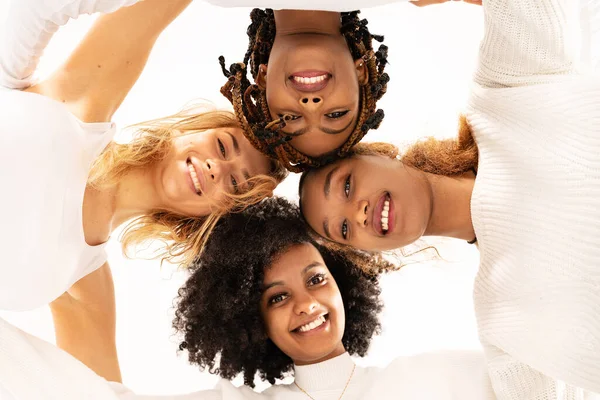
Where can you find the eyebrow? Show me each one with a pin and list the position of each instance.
(302, 131)
(310, 266)
(238, 152)
(326, 228)
(327, 186)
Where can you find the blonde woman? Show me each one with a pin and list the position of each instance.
(66, 185)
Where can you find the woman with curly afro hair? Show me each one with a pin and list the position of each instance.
(265, 301)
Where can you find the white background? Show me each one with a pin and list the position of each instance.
(432, 53)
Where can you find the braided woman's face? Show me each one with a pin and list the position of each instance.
(313, 79)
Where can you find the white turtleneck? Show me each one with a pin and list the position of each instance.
(535, 114)
(32, 369)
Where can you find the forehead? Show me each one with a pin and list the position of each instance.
(291, 262)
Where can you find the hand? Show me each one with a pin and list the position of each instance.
(423, 3)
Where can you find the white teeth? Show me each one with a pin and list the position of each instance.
(312, 325)
(385, 215)
(194, 178)
(314, 79)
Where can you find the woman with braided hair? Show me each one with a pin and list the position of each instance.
(317, 77)
(521, 180)
(270, 306)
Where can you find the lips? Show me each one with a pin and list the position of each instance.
(196, 176)
(309, 81)
(379, 213)
(312, 324)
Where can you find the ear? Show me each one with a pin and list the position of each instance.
(362, 72)
(261, 79)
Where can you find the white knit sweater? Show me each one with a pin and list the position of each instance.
(535, 114)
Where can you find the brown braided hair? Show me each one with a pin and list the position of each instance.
(250, 101)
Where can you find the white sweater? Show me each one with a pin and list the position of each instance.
(45, 157)
(535, 114)
(32, 369)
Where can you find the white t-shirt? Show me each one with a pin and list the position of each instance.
(45, 158)
(321, 5)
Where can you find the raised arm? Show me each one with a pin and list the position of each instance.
(98, 75)
(28, 26)
(85, 320)
(528, 42)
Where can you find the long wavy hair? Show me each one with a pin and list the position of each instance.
(182, 236)
(250, 101)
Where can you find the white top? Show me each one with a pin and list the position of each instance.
(31, 368)
(535, 114)
(45, 158)
(436, 376)
(321, 5)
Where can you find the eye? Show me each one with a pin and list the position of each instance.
(278, 298)
(222, 148)
(316, 279)
(234, 184)
(345, 229)
(337, 114)
(289, 117)
(347, 186)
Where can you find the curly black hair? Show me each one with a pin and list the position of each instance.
(250, 101)
(218, 308)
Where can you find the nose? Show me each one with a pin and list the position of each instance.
(217, 169)
(361, 212)
(311, 102)
(305, 304)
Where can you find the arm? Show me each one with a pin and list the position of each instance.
(84, 322)
(528, 42)
(98, 75)
(27, 28)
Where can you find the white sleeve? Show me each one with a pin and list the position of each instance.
(28, 26)
(529, 42)
(514, 380)
(123, 393)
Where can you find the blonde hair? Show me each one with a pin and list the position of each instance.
(183, 237)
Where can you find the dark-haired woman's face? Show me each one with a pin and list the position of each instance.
(314, 79)
(373, 203)
(302, 306)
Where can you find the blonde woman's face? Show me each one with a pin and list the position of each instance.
(202, 167)
(372, 203)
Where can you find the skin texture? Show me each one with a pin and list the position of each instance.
(300, 289)
(356, 186)
(421, 204)
(224, 161)
(311, 41)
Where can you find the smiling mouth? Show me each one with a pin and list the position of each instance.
(309, 81)
(313, 325)
(194, 176)
(382, 215)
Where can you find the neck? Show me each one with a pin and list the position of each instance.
(293, 22)
(451, 206)
(135, 195)
(339, 350)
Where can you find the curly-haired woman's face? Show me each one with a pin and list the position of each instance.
(302, 306)
(372, 203)
(203, 166)
(314, 79)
